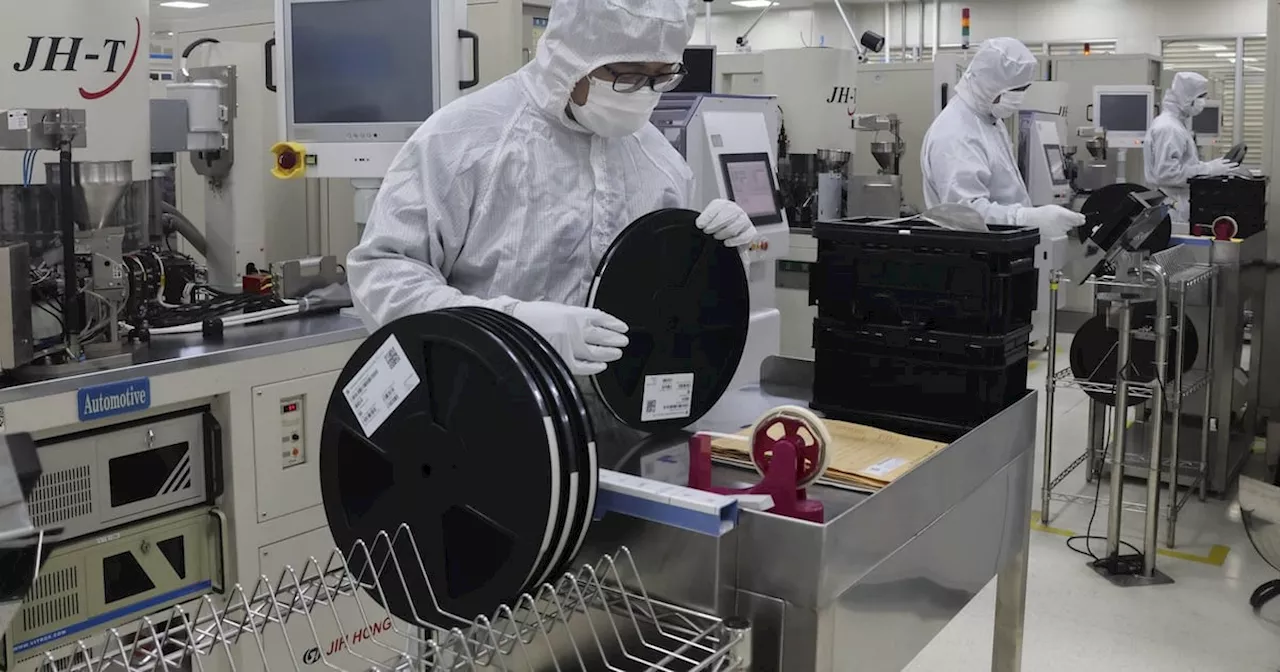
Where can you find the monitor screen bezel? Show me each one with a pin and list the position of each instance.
(1213, 108)
(1049, 152)
(727, 160)
(392, 132)
(1147, 104)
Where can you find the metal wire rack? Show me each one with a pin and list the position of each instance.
(597, 618)
(1182, 278)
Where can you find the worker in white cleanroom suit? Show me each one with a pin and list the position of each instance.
(1170, 157)
(509, 197)
(967, 156)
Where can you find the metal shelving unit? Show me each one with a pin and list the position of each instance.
(1167, 277)
(597, 618)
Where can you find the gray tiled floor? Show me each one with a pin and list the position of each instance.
(1077, 621)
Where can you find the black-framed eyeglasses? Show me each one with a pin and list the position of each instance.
(631, 82)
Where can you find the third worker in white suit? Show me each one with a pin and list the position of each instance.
(1170, 158)
(967, 156)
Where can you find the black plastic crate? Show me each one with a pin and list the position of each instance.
(919, 276)
(949, 378)
(909, 425)
(1243, 199)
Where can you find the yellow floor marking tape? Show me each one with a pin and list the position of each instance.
(1216, 557)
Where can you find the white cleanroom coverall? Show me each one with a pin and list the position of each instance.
(502, 199)
(967, 156)
(1170, 158)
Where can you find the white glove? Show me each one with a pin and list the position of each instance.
(1052, 219)
(727, 222)
(1218, 167)
(586, 339)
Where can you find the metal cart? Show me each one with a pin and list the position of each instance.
(1174, 276)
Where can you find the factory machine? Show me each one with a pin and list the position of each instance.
(175, 400)
(816, 94)
(177, 404)
(1045, 161)
(825, 120)
(728, 143)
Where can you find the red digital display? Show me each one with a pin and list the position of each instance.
(289, 408)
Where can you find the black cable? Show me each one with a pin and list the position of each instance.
(1088, 535)
(1271, 589)
(55, 316)
(222, 303)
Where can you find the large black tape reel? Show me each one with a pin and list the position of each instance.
(468, 462)
(685, 298)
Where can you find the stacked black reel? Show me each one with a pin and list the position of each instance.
(458, 461)
(457, 464)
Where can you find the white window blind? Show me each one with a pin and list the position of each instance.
(1097, 47)
(1255, 99)
(1216, 59)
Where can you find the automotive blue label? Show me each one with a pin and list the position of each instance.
(104, 401)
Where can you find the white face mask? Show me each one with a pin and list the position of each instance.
(610, 114)
(1197, 106)
(1010, 103)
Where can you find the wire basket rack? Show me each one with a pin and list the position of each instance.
(1184, 279)
(597, 618)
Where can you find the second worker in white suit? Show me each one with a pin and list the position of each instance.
(1170, 159)
(967, 156)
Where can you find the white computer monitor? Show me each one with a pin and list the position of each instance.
(1125, 112)
(1207, 125)
(358, 77)
(749, 181)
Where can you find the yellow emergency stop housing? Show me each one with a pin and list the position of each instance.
(290, 160)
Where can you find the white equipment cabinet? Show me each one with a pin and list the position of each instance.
(1082, 73)
(88, 56)
(816, 90)
(716, 134)
(916, 92)
(509, 31)
(271, 504)
(1041, 141)
(292, 216)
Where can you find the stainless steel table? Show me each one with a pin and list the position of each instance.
(172, 354)
(872, 586)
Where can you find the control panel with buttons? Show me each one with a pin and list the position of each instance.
(293, 438)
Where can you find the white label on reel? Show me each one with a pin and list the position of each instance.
(885, 467)
(667, 397)
(18, 120)
(382, 384)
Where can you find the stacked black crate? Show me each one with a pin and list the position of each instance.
(919, 328)
(1228, 206)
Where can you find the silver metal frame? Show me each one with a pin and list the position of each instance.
(1166, 285)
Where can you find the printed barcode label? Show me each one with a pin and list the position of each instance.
(883, 468)
(382, 384)
(667, 397)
